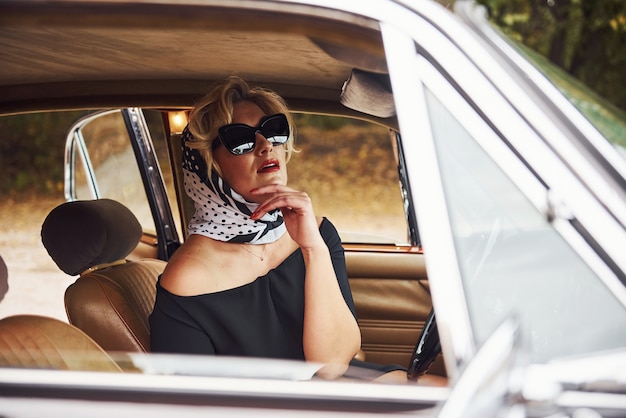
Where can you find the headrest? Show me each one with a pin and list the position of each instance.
(4, 279)
(86, 233)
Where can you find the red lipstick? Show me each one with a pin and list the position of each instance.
(269, 166)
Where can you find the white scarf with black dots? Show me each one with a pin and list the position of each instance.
(222, 213)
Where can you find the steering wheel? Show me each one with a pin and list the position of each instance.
(426, 349)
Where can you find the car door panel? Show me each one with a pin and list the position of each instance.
(392, 300)
(147, 248)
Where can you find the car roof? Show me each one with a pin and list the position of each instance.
(84, 54)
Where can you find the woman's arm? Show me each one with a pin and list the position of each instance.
(331, 334)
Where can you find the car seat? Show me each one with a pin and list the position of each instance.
(112, 297)
(4, 279)
(33, 341)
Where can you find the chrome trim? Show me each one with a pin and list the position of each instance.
(167, 235)
(613, 404)
(75, 136)
(484, 386)
(86, 159)
(408, 205)
(134, 384)
(596, 381)
(418, 144)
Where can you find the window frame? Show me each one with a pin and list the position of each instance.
(421, 56)
(166, 240)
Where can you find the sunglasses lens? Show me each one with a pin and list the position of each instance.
(276, 129)
(241, 139)
(238, 139)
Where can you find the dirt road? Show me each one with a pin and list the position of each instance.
(35, 283)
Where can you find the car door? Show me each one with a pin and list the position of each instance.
(505, 222)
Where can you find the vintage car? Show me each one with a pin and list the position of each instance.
(480, 195)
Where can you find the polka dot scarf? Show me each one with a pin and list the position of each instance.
(222, 213)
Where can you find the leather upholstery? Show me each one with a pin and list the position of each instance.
(32, 341)
(392, 301)
(113, 297)
(112, 305)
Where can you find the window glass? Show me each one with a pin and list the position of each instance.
(349, 170)
(511, 259)
(111, 156)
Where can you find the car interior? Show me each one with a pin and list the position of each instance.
(40, 342)
(112, 297)
(320, 65)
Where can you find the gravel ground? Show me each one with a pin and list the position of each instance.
(35, 283)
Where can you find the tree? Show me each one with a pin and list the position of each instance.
(587, 38)
(24, 166)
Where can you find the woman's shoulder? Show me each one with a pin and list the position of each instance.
(328, 231)
(189, 269)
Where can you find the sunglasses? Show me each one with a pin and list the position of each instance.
(239, 138)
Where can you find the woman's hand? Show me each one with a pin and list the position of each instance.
(297, 211)
(331, 334)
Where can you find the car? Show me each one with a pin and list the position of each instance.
(479, 194)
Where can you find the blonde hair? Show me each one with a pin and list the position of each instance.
(215, 109)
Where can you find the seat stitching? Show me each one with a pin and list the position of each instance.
(119, 315)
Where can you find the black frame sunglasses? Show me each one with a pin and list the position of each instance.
(239, 138)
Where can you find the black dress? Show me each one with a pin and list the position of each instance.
(263, 318)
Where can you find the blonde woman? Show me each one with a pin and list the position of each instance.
(259, 274)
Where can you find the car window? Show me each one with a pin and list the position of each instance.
(349, 169)
(105, 165)
(512, 261)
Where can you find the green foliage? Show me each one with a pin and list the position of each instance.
(31, 151)
(608, 119)
(587, 38)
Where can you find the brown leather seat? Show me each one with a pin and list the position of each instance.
(32, 341)
(112, 298)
